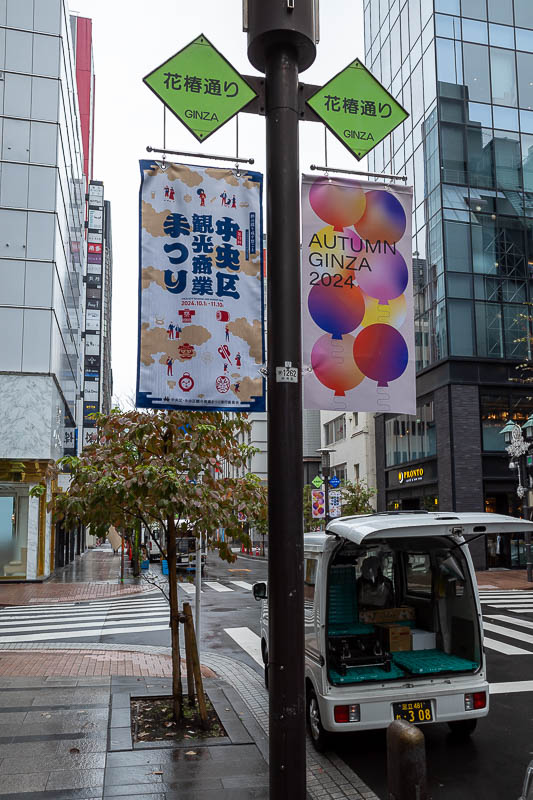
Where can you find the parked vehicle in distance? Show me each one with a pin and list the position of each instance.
(393, 625)
(186, 554)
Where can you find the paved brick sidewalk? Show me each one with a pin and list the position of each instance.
(89, 662)
(17, 594)
(503, 579)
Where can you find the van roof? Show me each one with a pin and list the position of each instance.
(413, 524)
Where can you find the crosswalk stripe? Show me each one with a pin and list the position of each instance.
(218, 587)
(74, 624)
(243, 585)
(512, 606)
(35, 637)
(248, 640)
(511, 686)
(10, 618)
(41, 608)
(520, 623)
(506, 649)
(124, 616)
(190, 588)
(523, 637)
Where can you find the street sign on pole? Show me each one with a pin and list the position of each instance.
(200, 87)
(357, 109)
(317, 481)
(334, 482)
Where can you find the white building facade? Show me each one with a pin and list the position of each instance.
(351, 438)
(42, 263)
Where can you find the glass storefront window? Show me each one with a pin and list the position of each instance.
(461, 327)
(489, 330)
(494, 416)
(13, 535)
(458, 252)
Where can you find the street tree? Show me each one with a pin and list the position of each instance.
(164, 468)
(355, 498)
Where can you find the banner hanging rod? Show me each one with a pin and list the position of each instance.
(355, 172)
(234, 159)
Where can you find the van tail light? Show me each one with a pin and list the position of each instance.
(347, 713)
(475, 701)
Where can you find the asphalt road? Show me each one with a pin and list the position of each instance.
(489, 766)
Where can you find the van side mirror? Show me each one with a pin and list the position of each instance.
(260, 591)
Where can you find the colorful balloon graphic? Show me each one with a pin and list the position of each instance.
(392, 313)
(336, 309)
(381, 353)
(387, 277)
(333, 364)
(383, 220)
(340, 206)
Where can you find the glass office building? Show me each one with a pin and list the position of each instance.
(463, 69)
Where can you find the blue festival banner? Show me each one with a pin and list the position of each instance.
(201, 326)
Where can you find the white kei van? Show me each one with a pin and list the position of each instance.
(393, 626)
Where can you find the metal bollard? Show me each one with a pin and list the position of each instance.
(406, 762)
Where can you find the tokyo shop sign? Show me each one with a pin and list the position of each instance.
(200, 87)
(357, 109)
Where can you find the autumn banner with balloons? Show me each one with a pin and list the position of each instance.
(358, 316)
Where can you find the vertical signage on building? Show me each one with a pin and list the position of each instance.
(357, 314)
(93, 312)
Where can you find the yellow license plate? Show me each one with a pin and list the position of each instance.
(416, 712)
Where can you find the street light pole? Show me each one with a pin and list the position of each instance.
(281, 42)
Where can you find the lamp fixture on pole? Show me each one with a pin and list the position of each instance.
(518, 440)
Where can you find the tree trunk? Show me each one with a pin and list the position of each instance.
(136, 561)
(177, 692)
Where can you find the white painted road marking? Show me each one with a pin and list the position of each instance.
(506, 649)
(248, 640)
(511, 686)
(243, 585)
(218, 587)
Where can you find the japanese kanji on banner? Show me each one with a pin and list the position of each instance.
(358, 313)
(201, 342)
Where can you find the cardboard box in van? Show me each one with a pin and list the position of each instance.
(381, 615)
(394, 638)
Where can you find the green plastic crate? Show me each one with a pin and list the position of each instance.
(428, 662)
(360, 674)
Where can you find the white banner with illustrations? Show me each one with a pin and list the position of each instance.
(201, 343)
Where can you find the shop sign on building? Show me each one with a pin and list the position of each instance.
(201, 343)
(411, 475)
(357, 297)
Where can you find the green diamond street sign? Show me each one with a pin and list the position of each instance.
(200, 87)
(317, 481)
(357, 109)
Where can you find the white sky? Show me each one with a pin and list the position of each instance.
(130, 39)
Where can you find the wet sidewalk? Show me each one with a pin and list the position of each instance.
(94, 575)
(503, 579)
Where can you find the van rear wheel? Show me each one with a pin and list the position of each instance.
(319, 736)
(462, 728)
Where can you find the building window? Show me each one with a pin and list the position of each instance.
(335, 430)
(496, 409)
(409, 438)
(356, 472)
(340, 470)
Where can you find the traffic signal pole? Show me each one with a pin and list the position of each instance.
(280, 43)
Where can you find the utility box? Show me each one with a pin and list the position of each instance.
(277, 22)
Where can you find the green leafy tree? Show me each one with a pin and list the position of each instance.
(355, 498)
(163, 468)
